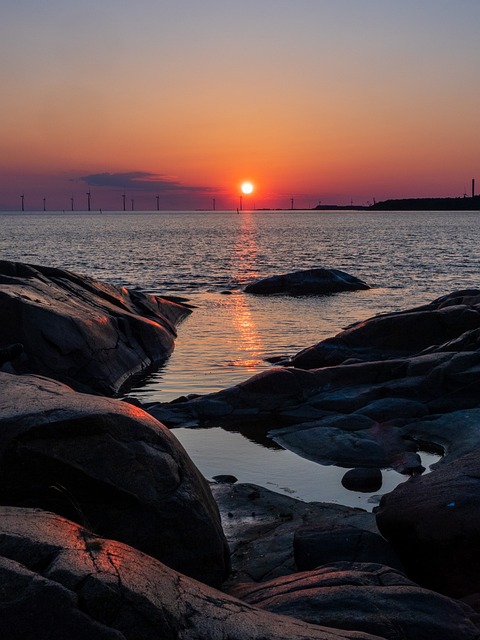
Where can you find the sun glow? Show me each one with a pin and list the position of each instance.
(247, 187)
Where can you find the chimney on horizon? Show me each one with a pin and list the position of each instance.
(473, 187)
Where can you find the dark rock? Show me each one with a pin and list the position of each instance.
(109, 465)
(370, 597)
(399, 334)
(318, 544)
(262, 545)
(308, 282)
(433, 523)
(225, 479)
(364, 480)
(59, 581)
(88, 334)
(10, 352)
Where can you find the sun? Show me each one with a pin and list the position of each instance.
(247, 187)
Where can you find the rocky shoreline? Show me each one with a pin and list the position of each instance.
(108, 530)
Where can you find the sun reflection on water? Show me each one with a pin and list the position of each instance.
(244, 256)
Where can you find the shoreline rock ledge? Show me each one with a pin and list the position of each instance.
(88, 334)
(307, 282)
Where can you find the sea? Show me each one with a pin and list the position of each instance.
(206, 258)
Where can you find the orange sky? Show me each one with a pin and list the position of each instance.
(310, 99)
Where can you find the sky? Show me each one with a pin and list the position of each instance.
(331, 101)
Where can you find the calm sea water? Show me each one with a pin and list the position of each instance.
(407, 258)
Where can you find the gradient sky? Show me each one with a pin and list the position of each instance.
(319, 100)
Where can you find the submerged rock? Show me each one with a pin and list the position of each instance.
(307, 282)
(61, 581)
(88, 334)
(112, 467)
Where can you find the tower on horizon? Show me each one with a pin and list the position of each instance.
(88, 199)
(473, 187)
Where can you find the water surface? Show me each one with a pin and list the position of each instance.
(408, 258)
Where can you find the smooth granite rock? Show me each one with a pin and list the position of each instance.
(59, 581)
(433, 523)
(307, 282)
(403, 333)
(370, 597)
(112, 467)
(91, 335)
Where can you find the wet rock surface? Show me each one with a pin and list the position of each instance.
(88, 334)
(109, 465)
(61, 581)
(261, 525)
(308, 282)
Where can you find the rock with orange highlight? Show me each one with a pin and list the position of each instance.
(370, 597)
(61, 581)
(112, 467)
(91, 335)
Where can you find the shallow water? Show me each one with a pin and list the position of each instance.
(408, 258)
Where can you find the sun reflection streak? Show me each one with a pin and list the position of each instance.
(244, 253)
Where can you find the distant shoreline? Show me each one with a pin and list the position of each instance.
(412, 204)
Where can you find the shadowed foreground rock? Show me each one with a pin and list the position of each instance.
(60, 581)
(370, 597)
(308, 282)
(433, 523)
(260, 526)
(80, 331)
(109, 465)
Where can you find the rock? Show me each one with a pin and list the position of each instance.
(88, 334)
(399, 334)
(370, 597)
(308, 282)
(323, 543)
(363, 480)
(61, 581)
(433, 523)
(260, 527)
(109, 465)
(10, 352)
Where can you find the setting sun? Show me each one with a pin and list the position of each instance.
(247, 187)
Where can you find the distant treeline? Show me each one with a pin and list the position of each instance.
(411, 204)
(428, 204)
